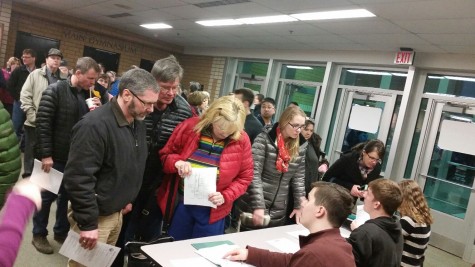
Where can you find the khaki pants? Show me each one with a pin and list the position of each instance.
(108, 226)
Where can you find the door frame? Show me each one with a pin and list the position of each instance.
(283, 94)
(441, 233)
(349, 93)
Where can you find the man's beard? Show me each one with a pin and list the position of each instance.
(134, 113)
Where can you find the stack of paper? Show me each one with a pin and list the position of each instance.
(216, 255)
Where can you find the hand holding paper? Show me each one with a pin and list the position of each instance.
(199, 185)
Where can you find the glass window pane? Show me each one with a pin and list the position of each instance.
(333, 120)
(303, 73)
(451, 85)
(253, 68)
(391, 131)
(373, 78)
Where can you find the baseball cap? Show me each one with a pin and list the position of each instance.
(55, 52)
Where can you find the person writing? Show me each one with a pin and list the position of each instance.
(325, 211)
(216, 139)
(358, 167)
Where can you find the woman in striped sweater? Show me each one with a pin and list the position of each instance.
(415, 221)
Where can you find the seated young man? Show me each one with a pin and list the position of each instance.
(326, 209)
(378, 242)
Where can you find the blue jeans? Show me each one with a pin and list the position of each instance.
(18, 118)
(40, 220)
(190, 221)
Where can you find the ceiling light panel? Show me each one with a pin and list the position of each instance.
(338, 14)
(267, 19)
(154, 26)
(219, 22)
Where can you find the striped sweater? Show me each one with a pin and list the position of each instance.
(416, 238)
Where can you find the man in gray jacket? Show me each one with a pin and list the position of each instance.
(30, 97)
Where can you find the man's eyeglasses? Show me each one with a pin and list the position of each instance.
(145, 104)
(169, 88)
(374, 159)
(297, 127)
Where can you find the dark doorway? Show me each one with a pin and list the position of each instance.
(109, 60)
(40, 44)
(146, 64)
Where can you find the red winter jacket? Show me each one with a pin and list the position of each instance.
(235, 166)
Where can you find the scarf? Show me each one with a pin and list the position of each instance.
(283, 157)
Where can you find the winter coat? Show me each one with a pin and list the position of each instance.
(235, 166)
(269, 188)
(10, 157)
(61, 107)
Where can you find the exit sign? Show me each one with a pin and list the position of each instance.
(404, 57)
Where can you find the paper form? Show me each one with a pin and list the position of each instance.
(197, 261)
(215, 255)
(102, 255)
(50, 181)
(199, 185)
(285, 245)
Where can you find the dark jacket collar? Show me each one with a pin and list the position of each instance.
(118, 114)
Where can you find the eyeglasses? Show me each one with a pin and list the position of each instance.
(169, 88)
(145, 104)
(296, 127)
(374, 159)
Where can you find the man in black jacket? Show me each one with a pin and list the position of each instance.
(14, 85)
(169, 111)
(107, 159)
(61, 107)
(378, 242)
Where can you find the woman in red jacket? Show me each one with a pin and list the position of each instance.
(217, 139)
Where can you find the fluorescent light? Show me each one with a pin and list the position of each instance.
(219, 22)
(339, 14)
(399, 74)
(436, 77)
(267, 19)
(299, 67)
(460, 78)
(369, 72)
(154, 26)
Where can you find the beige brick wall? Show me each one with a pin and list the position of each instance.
(5, 14)
(74, 34)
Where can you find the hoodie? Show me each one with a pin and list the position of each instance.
(378, 242)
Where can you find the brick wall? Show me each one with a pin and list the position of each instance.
(5, 14)
(74, 34)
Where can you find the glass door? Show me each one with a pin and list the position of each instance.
(447, 171)
(304, 94)
(363, 116)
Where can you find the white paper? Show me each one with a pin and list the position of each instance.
(365, 118)
(215, 254)
(454, 136)
(197, 261)
(361, 215)
(50, 181)
(102, 255)
(298, 233)
(199, 185)
(285, 245)
(344, 232)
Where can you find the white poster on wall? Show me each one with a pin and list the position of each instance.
(457, 136)
(365, 119)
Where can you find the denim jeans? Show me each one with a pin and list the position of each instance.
(40, 220)
(30, 147)
(18, 118)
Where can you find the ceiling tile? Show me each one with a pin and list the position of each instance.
(438, 25)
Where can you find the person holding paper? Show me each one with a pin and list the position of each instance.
(358, 167)
(216, 139)
(323, 214)
(61, 107)
(279, 164)
(107, 160)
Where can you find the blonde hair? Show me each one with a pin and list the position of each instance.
(414, 204)
(13, 60)
(196, 98)
(229, 111)
(291, 144)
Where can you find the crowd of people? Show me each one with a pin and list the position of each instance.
(126, 146)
